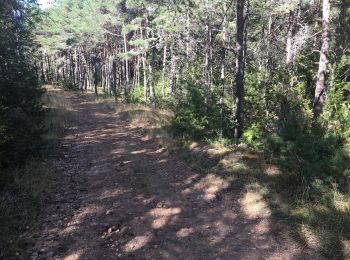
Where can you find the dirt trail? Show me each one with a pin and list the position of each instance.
(124, 197)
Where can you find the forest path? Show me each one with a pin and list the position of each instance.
(123, 197)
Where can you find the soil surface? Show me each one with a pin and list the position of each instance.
(123, 197)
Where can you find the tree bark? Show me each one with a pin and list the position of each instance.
(126, 63)
(164, 63)
(285, 101)
(239, 79)
(173, 70)
(320, 90)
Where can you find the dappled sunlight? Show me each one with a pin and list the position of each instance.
(272, 170)
(185, 232)
(262, 227)
(114, 193)
(254, 205)
(309, 236)
(233, 162)
(139, 151)
(74, 256)
(222, 230)
(218, 151)
(119, 151)
(139, 199)
(137, 242)
(144, 116)
(79, 217)
(341, 202)
(209, 185)
(161, 216)
(346, 246)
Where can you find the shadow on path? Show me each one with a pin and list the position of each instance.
(133, 200)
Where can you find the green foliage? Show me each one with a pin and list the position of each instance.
(21, 112)
(198, 118)
(253, 133)
(136, 95)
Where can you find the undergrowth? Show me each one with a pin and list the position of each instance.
(28, 186)
(304, 180)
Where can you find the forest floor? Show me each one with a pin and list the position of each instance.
(122, 196)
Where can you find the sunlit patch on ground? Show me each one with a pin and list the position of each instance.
(137, 242)
(346, 246)
(311, 239)
(74, 256)
(139, 151)
(272, 170)
(233, 161)
(341, 202)
(254, 206)
(184, 232)
(210, 186)
(262, 227)
(161, 216)
(79, 218)
(221, 232)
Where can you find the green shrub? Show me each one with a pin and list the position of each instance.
(199, 118)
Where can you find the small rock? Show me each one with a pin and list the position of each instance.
(112, 229)
(243, 146)
(109, 212)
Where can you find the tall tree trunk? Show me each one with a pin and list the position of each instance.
(126, 64)
(206, 53)
(144, 68)
(151, 84)
(173, 70)
(285, 102)
(289, 41)
(320, 90)
(223, 67)
(239, 79)
(164, 64)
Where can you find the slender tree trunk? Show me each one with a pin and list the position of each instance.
(164, 64)
(173, 71)
(144, 68)
(114, 72)
(285, 101)
(206, 53)
(151, 84)
(138, 72)
(320, 90)
(223, 67)
(239, 91)
(126, 64)
(289, 41)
